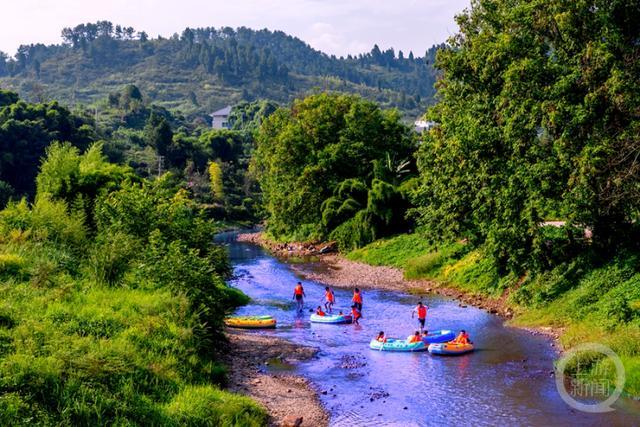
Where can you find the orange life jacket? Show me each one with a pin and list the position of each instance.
(382, 339)
(414, 339)
(298, 290)
(422, 312)
(462, 338)
(357, 297)
(329, 296)
(320, 313)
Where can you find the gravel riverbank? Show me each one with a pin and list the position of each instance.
(286, 396)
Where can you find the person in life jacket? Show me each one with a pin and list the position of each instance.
(357, 299)
(319, 311)
(462, 338)
(330, 299)
(414, 338)
(381, 337)
(421, 309)
(298, 295)
(355, 313)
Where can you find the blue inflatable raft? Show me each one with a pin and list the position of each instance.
(331, 318)
(443, 335)
(393, 344)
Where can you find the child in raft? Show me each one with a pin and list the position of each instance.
(355, 313)
(319, 311)
(414, 338)
(462, 338)
(425, 335)
(381, 337)
(330, 299)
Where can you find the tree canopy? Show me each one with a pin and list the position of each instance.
(538, 119)
(322, 145)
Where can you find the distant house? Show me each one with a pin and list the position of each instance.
(422, 125)
(219, 119)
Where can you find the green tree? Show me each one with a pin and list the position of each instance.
(215, 178)
(537, 112)
(304, 153)
(158, 133)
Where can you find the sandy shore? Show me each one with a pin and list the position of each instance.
(328, 267)
(287, 397)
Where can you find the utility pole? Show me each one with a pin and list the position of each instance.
(160, 165)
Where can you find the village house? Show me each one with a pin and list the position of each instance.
(219, 119)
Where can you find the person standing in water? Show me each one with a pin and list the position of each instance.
(298, 295)
(355, 314)
(330, 298)
(422, 314)
(357, 299)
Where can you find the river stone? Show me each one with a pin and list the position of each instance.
(292, 421)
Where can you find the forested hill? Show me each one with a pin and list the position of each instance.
(205, 68)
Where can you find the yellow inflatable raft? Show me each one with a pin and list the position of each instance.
(250, 322)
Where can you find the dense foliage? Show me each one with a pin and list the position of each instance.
(111, 320)
(330, 166)
(538, 119)
(203, 69)
(25, 132)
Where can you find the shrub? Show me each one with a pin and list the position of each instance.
(11, 265)
(206, 406)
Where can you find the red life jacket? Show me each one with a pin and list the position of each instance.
(357, 297)
(298, 290)
(422, 312)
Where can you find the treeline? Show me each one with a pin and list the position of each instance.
(260, 62)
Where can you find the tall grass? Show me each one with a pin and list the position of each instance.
(102, 327)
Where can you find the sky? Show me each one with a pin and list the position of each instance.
(337, 27)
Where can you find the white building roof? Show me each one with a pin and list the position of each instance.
(222, 113)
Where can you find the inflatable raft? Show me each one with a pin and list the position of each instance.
(393, 344)
(331, 318)
(444, 335)
(251, 322)
(450, 348)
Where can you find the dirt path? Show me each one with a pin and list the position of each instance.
(287, 397)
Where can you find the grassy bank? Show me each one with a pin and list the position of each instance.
(112, 304)
(591, 302)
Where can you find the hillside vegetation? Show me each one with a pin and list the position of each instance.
(112, 300)
(204, 69)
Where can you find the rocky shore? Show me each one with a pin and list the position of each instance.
(289, 399)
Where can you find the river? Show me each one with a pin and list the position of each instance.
(507, 381)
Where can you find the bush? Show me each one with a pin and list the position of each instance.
(11, 265)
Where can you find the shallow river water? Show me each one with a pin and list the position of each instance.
(507, 381)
